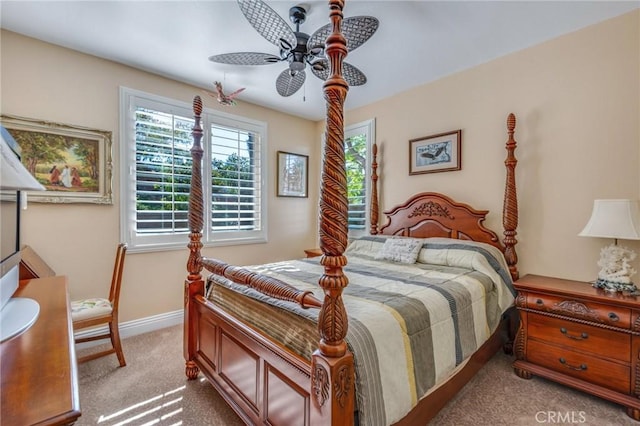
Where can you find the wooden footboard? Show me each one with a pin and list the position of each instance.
(261, 381)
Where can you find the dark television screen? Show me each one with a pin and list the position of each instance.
(9, 216)
(10, 225)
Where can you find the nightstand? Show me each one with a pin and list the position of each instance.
(580, 336)
(314, 252)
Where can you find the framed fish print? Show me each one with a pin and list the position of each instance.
(73, 163)
(435, 153)
(293, 176)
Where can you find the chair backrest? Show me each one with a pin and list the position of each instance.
(116, 278)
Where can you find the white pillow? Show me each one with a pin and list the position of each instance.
(368, 245)
(401, 250)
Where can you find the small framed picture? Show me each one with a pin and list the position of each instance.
(435, 153)
(293, 177)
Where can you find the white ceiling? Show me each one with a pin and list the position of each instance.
(417, 41)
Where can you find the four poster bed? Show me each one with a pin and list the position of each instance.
(425, 302)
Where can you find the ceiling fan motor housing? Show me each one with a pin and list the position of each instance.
(297, 56)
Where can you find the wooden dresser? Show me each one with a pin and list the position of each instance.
(583, 337)
(39, 372)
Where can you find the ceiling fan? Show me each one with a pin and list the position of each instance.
(297, 48)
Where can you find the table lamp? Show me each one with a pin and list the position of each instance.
(617, 219)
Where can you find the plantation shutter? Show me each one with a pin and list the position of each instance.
(236, 196)
(156, 135)
(162, 172)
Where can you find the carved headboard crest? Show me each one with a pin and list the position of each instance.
(430, 208)
(430, 214)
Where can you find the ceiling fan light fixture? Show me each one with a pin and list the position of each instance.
(319, 66)
(317, 50)
(285, 45)
(296, 66)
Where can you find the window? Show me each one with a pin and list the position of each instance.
(357, 146)
(359, 139)
(156, 174)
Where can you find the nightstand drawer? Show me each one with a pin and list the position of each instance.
(589, 311)
(581, 337)
(589, 368)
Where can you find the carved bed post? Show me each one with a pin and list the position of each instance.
(373, 212)
(194, 284)
(510, 205)
(332, 373)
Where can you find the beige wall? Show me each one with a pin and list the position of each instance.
(43, 81)
(576, 99)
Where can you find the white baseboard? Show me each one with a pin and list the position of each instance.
(134, 327)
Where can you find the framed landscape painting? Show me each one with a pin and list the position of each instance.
(435, 153)
(73, 163)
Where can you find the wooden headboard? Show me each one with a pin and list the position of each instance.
(430, 214)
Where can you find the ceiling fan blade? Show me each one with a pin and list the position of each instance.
(356, 29)
(245, 58)
(289, 82)
(267, 22)
(352, 75)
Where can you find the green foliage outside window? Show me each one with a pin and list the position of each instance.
(356, 166)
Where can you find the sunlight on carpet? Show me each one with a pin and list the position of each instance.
(155, 410)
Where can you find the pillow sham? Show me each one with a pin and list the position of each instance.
(400, 250)
(366, 245)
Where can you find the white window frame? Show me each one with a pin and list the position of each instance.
(368, 128)
(129, 100)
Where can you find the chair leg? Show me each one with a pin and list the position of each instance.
(115, 341)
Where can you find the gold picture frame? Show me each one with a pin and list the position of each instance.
(73, 163)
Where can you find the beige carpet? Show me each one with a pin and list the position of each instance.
(152, 390)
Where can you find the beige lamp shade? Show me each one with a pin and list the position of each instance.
(618, 219)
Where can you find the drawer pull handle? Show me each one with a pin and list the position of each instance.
(539, 302)
(613, 317)
(582, 336)
(582, 367)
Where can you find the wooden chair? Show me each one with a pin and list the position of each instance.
(95, 311)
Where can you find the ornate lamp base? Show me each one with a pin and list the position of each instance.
(614, 286)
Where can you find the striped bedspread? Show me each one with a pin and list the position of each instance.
(410, 325)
